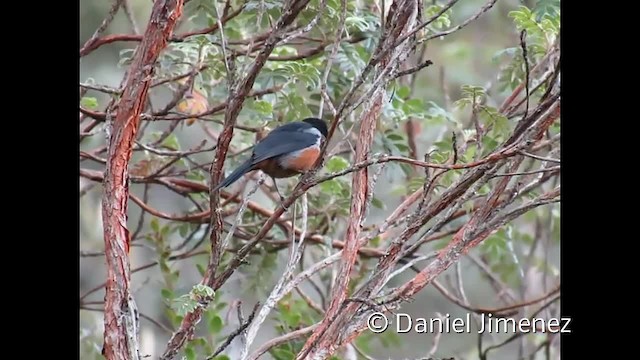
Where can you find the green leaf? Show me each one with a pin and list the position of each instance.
(443, 20)
(165, 230)
(403, 92)
(263, 107)
(282, 354)
(171, 142)
(414, 105)
(89, 102)
(221, 357)
(358, 22)
(495, 246)
(221, 306)
(394, 136)
(336, 164)
(292, 319)
(331, 187)
(402, 147)
(203, 290)
(184, 305)
(155, 226)
(166, 293)
(546, 7)
(377, 203)
(183, 229)
(164, 267)
(175, 275)
(488, 143)
(492, 116)
(462, 103)
(201, 269)
(472, 91)
(189, 353)
(215, 325)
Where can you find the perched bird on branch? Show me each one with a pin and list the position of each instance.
(288, 150)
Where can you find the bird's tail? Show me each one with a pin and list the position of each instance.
(235, 175)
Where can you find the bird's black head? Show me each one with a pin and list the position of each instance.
(318, 124)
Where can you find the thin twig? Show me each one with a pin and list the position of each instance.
(436, 338)
(525, 58)
(282, 287)
(103, 26)
(557, 161)
(483, 355)
(553, 168)
(235, 333)
(472, 18)
(142, 315)
(281, 340)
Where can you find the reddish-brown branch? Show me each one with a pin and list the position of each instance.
(235, 102)
(182, 256)
(318, 345)
(359, 194)
(237, 97)
(197, 217)
(108, 39)
(105, 23)
(120, 338)
(281, 340)
(458, 246)
(202, 217)
(467, 238)
(101, 116)
(504, 311)
(350, 321)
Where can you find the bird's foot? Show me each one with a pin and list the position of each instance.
(282, 199)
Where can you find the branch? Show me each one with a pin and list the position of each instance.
(120, 317)
(142, 315)
(281, 340)
(435, 17)
(236, 98)
(105, 23)
(351, 320)
(359, 194)
(497, 312)
(108, 39)
(525, 58)
(402, 18)
(101, 116)
(233, 335)
(414, 69)
(475, 16)
(280, 289)
(483, 355)
(542, 158)
(147, 266)
(101, 88)
(220, 107)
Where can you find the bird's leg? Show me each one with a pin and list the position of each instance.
(275, 184)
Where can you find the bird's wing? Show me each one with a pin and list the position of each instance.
(282, 142)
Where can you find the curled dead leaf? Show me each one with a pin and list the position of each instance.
(146, 167)
(192, 104)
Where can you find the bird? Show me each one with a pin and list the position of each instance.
(288, 150)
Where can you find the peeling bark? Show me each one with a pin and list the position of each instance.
(120, 315)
